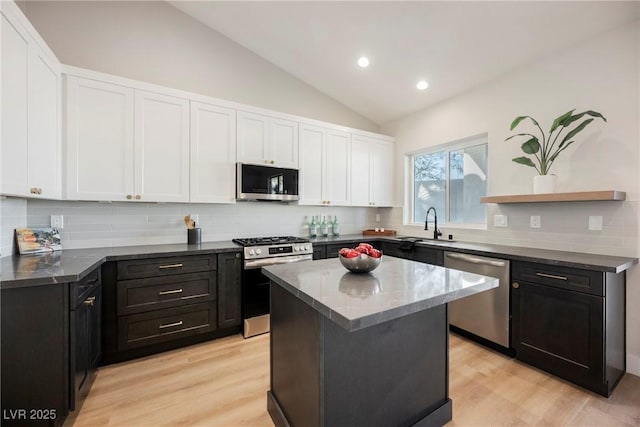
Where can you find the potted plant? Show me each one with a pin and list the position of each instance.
(544, 149)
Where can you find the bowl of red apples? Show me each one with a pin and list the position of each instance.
(361, 259)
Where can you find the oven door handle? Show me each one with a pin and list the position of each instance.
(264, 262)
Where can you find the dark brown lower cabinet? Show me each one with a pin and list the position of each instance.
(157, 304)
(578, 336)
(86, 345)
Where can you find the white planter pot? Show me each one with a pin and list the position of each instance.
(543, 184)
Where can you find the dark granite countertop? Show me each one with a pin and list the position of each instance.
(395, 289)
(72, 265)
(594, 262)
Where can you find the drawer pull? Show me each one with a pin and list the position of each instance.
(515, 285)
(162, 267)
(173, 291)
(90, 301)
(551, 276)
(170, 325)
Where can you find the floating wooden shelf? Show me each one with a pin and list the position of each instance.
(582, 196)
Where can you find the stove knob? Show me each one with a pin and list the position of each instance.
(306, 247)
(252, 252)
(258, 251)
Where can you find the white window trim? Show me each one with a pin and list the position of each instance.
(409, 173)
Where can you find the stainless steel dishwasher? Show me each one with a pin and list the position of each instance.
(486, 314)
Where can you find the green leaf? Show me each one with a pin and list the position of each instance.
(576, 117)
(524, 161)
(518, 119)
(521, 134)
(576, 130)
(558, 121)
(532, 146)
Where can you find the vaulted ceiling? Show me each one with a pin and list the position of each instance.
(454, 46)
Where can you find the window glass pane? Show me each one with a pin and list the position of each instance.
(468, 182)
(429, 184)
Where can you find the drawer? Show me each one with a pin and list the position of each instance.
(81, 289)
(140, 295)
(156, 267)
(154, 327)
(575, 279)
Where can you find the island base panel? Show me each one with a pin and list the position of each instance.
(391, 374)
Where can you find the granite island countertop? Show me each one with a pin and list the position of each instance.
(395, 289)
(72, 265)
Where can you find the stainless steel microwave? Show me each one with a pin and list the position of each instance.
(259, 182)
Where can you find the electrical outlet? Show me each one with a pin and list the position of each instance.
(377, 217)
(535, 221)
(500, 221)
(57, 221)
(195, 218)
(595, 223)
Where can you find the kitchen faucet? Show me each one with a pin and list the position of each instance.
(436, 232)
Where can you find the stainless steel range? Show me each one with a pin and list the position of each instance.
(261, 252)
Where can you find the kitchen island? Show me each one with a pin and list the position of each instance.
(362, 349)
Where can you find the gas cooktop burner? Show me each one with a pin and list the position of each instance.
(263, 241)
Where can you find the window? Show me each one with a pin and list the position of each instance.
(450, 178)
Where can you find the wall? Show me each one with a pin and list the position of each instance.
(94, 224)
(600, 74)
(155, 42)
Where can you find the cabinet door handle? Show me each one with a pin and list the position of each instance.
(173, 291)
(162, 267)
(90, 301)
(237, 255)
(170, 325)
(515, 285)
(551, 276)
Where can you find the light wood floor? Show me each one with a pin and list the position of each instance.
(224, 383)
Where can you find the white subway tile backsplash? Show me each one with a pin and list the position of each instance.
(13, 214)
(96, 224)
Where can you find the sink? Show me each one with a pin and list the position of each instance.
(437, 242)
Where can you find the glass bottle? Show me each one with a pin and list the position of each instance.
(324, 230)
(336, 226)
(313, 227)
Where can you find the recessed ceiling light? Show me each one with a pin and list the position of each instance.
(422, 85)
(363, 62)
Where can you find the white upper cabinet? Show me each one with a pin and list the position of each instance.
(213, 153)
(31, 103)
(324, 166)
(161, 148)
(125, 144)
(371, 172)
(99, 140)
(15, 72)
(360, 171)
(267, 140)
(382, 173)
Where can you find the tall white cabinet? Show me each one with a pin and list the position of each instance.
(99, 140)
(324, 166)
(213, 153)
(31, 108)
(371, 172)
(161, 148)
(125, 144)
(267, 140)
